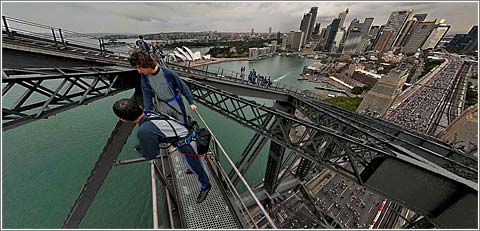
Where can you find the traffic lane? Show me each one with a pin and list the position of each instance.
(349, 203)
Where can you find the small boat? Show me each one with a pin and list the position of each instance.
(302, 77)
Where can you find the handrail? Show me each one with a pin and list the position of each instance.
(232, 164)
(236, 78)
(51, 32)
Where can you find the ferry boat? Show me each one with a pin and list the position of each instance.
(302, 77)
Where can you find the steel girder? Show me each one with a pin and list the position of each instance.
(369, 129)
(277, 151)
(422, 185)
(36, 93)
(428, 147)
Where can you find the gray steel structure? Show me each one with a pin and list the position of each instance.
(440, 180)
(55, 90)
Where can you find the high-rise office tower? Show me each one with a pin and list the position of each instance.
(418, 36)
(342, 16)
(284, 43)
(420, 17)
(251, 33)
(455, 41)
(357, 36)
(337, 41)
(304, 26)
(405, 32)
(331, 35)
(290, 40)
(269, 31)
(313, 18)
(297, 38)
(339, 38)
(394, 24)
(439, 31)
(407, 29)
(274, 46)
(324, 36)
(316, 30)
(464, 42)
(471, 40)
(375, 33)
(382, 41)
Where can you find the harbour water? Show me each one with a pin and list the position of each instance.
(46, 162)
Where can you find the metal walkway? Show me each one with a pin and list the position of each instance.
(213, 213)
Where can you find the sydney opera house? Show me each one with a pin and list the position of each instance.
(185, 54)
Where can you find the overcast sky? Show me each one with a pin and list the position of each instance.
(152, 17)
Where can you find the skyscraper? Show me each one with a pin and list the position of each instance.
(305, 25)
(337, 41)
(316, 30)
(383, 38)
(331, 35)
(357, 36)
(394, 24)
(297, 38)
(439, 31)
(471, 40)
(313, 18)
(455, 41)
(269, 31)
(375, 33)
(407, 29)
(342, 16)
(420, 17)
(405, 32)
(418, 36)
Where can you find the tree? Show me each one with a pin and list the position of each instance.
(357, 90)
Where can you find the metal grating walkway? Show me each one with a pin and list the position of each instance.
(213, 213)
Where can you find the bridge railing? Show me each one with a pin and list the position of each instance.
(217, 151)
(60, 37)
(222, 74)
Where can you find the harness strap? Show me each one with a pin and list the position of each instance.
(180, 141)
(187, 140)
(194, 155)
(176, 97)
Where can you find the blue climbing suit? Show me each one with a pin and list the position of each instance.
(152, 132)
(166, 86)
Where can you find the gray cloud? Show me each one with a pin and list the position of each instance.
(151, 17)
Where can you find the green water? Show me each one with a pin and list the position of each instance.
(46, 162)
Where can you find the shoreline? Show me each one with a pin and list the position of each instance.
(211, 61)
(219, 60)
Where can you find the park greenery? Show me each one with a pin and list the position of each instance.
(349, 103)
(430, 64)
(359, 90)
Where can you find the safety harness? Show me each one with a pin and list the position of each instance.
(176, 97)
(192, 135)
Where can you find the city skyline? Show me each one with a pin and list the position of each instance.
(147, 17)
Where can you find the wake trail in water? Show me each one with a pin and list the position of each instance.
(280, 78)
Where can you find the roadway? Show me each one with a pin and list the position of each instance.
(419, 107)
